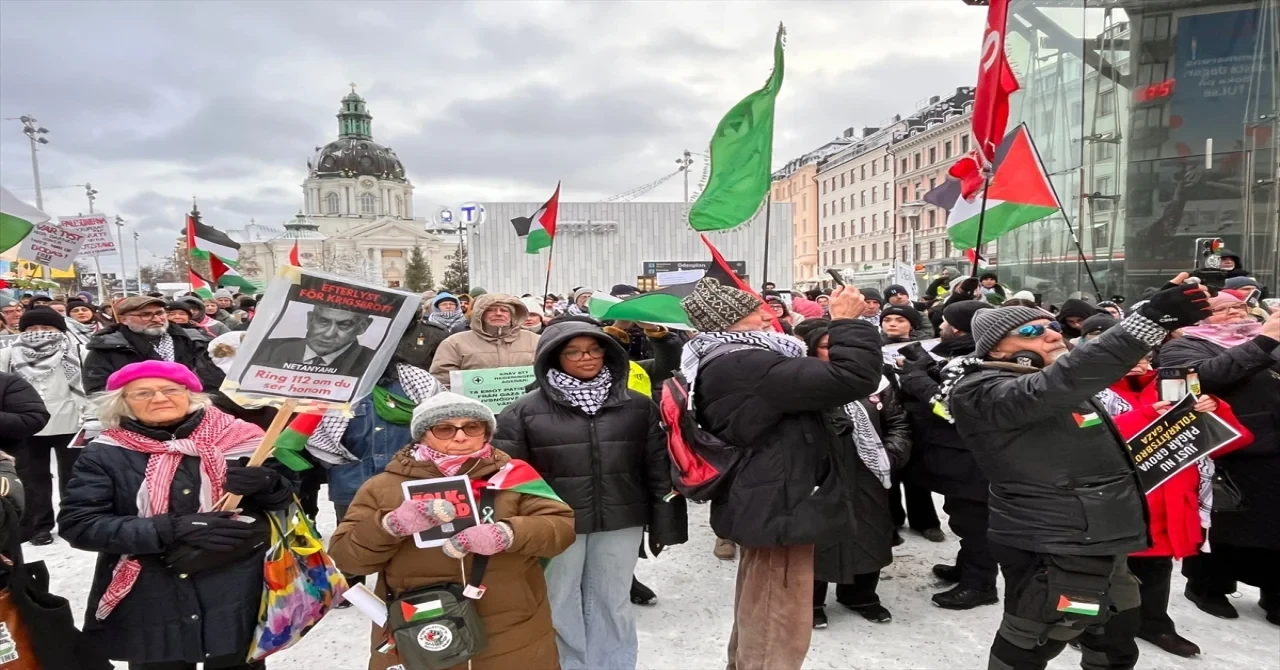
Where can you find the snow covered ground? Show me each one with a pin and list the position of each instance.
(688, 629)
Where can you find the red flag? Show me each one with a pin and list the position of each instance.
(293, 255)
(720, 269)
(996, 82)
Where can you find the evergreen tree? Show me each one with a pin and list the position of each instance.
(430, 281)
(456, 280)
(417, 272)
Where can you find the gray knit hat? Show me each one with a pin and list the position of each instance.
(991, 325)
(444, 406)
(712, 307)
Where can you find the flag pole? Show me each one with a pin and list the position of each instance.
(982, 216)
(1071, 229)
(768, 210)
(546, 286)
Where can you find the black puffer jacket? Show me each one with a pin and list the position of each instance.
(611, 468)
(787, 491)
(941, 462)
(166, 616)
(1057, 486)
(115, 347)
(22, 412)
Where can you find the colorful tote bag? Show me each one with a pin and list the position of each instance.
(301, 584)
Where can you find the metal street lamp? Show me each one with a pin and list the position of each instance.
(36, 134)
(124, 273)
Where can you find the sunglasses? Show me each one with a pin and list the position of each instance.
(446, 431)
(1034, 330)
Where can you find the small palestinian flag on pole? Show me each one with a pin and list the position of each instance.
(520, 477)
(199, 286)
(539, 229)
(293, 441)
(662, 307)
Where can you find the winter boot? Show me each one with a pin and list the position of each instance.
(1173, 643)
(874, 613)
(947, 573)
(934, 535)
(1217, 604)
(725, 550)
(819, 618)
(641, 594)
(965, 598)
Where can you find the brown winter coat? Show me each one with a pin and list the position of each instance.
(481, 347)
(515, 610)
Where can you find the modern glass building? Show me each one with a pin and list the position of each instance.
(1157, 122)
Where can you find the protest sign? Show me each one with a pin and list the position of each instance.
(456, 490)
(7, 341)
(890, 351)
(319, 339)
(51, 245)
(1175, 441)
(96, 230)
(494, 387)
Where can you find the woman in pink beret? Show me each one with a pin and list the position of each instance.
(176, 583)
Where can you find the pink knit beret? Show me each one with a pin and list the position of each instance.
(174, 372)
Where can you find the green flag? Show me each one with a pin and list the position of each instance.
(17, 218)
(741, 157)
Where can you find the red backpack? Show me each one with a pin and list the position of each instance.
(702, 464)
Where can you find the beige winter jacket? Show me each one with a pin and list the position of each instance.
(486, 347)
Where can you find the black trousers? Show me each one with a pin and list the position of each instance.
(1110, 647)
(968, 520)
(1154, 572)
(920, 511)
(860, 593)
(33, 469)
(341, 511)
(234, 662)
(1216, 572)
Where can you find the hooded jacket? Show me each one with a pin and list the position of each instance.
(486, 347)
(1078, 308)
(1238, 270)
(515, 609)
(611, 468)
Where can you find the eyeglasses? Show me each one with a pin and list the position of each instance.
(143, 395)
(446, 431)
(147, 316)
(1034, 330)
(579, 354)
(1238, 307)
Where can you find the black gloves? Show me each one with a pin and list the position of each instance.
(913, 352)
(212, 531)
(1177, 305)
(968, 286)
(251, 481)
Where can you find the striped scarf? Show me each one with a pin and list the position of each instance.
(218, 436)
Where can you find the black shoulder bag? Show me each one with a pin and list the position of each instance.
(437, 626)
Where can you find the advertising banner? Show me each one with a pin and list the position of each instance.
(320, 339)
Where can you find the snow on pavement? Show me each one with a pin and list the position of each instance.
(688, 629)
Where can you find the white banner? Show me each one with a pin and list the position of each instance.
(906, 276)
(96, 229)
(51, 245)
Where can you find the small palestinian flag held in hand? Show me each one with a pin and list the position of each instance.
(293, 441)
(520, 477)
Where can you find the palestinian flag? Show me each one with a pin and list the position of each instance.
(1086, 420)
(540, 229)
(225, 275)
(1078, 606)
(17, 218)
(420, 611)
(293, 441)
(205, 241)
(199, 286)
(520, 477)
(1019, 193)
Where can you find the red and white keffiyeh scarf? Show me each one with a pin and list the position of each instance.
(218, 436)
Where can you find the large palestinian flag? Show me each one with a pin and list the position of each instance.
(1019, 193)
(206, 243)
(540, 229)
(662, 307)
(17, 219)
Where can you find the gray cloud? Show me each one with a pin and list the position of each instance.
(155, 102)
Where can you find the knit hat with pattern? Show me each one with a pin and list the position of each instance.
(446, 405)
(991, 325)
(712, 307)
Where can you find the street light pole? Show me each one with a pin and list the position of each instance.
(36, 135)
(684, 162)
(137, 262)
(91, 194)
(124, 273)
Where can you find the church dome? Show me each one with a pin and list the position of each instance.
(354, 153)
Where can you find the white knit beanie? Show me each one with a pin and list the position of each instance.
(446, 405)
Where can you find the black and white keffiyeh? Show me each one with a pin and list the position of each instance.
(447, 320)
(37, 354)
(164, 347)
(325, 442)
(1113, 403)
(866, 438)
(699, 346)
(587, 395)
(951, 375)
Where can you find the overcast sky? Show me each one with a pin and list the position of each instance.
(154, 103)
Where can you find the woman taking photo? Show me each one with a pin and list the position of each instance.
(49, 360)
(601, 448)
(451, 437)
(176, 583)
(877, 433)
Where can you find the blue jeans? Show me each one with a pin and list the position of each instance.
(589, 586)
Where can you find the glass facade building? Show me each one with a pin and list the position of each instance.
(1157, 122)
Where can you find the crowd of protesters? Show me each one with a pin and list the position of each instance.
(853, 410)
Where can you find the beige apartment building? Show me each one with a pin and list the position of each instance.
(797, 183)
(855, 226)
(931, 141)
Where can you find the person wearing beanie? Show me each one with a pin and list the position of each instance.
(1056, 464)
(494, 339)
(179, 312)
(47, 358)
(896, 294)
(1236, 360)
(874, 303)
(198, 316)
(10, 312)
(901, 323)
(756, 389)
(1095, 326)
(578, 306)
(144, 499)
(1026, 295)
(450, 436)
(532, 322)
(779, 308)
(990, 288)
(1073, 313)
(623, 291)
(1232, 264)
(583, 412)
(854, 557)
